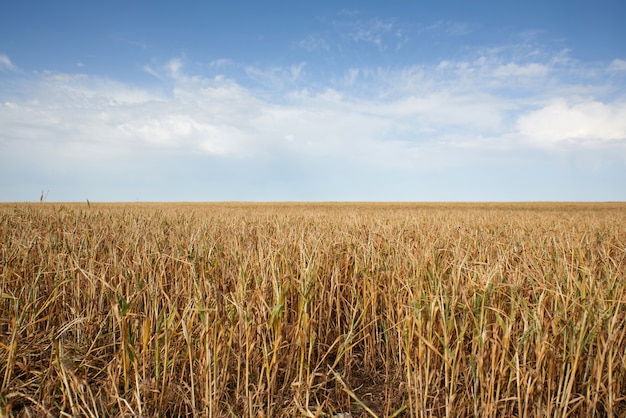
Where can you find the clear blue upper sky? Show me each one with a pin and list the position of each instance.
(302, 100)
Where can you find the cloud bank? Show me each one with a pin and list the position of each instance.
(285, 128)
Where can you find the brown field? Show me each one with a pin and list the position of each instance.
(313, 310)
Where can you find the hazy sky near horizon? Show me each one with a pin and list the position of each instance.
(313, 100)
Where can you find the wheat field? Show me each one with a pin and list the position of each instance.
(313, 310)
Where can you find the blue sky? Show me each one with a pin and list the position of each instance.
(324, 100)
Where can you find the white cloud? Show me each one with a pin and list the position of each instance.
(276, 77)
(489, 72)
(513, 69)
(221, 62)
(351, 76)
(132, 42)
(442, 111)
(73, 89)
(372, 31)
(404, 118)
(618, 65)
(6, 64)
(448, 27)
(589, 122)
(313, 43)
(174, 66)
(184, 132)
(152, 72)
(383, 33)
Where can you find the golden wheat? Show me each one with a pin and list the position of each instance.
(283, 310)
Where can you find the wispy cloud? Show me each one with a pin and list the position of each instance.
(313, 43)
(131, 42)
(380, 32)
(221, 63)
(6, 64)
(174, 66)
(372, 30)
(448, 27)
(276, 77)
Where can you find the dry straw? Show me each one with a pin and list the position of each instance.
(320, 310)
